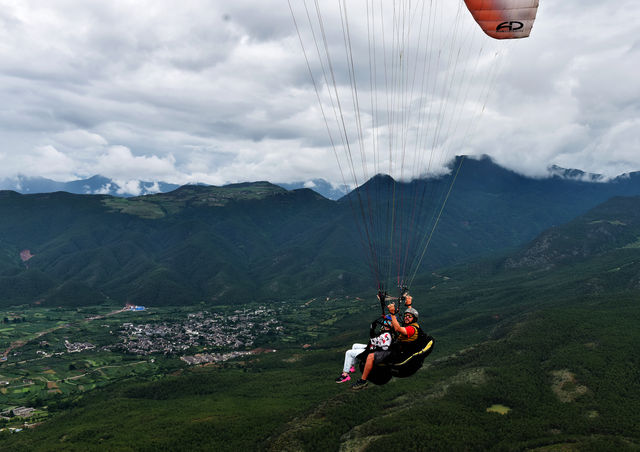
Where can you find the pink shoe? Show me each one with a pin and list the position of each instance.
(353, 369)
(342, 378)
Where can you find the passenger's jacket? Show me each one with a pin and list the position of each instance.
(381, 342)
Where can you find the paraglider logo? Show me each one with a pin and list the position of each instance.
(509, 26)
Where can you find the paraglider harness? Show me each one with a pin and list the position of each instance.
(406, 356)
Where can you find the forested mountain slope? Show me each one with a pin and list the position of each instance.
(258, 240)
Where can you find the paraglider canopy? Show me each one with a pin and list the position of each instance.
(504, 19)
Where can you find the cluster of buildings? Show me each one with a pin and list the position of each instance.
(21, 411)
(18, 412)
(202, 358)
(236, 331)
(74, 347)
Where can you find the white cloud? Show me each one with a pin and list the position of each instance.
(153, 188)
(104, 190)
(80, 139)
(47, 161)
(218, 92)
(129, 187)
(119, 161)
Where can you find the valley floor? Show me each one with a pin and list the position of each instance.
(552, 379)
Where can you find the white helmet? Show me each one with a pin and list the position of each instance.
(413, 312)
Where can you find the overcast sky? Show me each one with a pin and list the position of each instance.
(218, 91)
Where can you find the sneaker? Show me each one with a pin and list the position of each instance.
(352, 370)
(360, 384)
(343, 378)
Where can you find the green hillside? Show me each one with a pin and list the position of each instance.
(259, 241)
(614, 225)
(528, 357)
(194, 244)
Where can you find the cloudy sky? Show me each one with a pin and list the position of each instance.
(217, 91)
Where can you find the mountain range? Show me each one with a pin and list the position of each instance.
(100, 185)
(94, 185)
(261, 241)
(106, 186)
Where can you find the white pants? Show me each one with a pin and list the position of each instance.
(350, 356)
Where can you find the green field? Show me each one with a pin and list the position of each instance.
(556, 377)
(41, 372)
